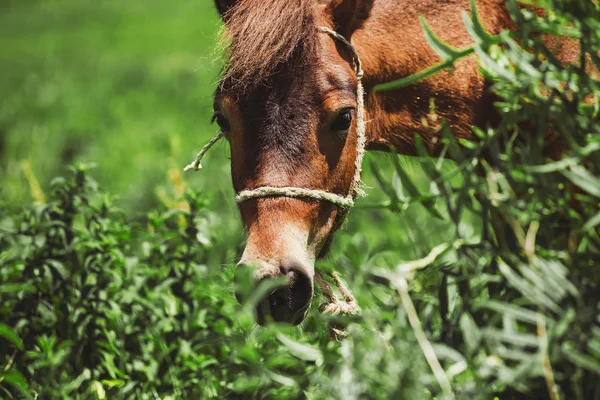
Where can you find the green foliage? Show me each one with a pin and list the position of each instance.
(520, 303)
(101, 305)
(105, 307)
(96, 303)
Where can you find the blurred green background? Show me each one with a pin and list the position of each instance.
(125, 84)
(128, 85)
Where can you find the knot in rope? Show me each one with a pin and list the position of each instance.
(333, 305)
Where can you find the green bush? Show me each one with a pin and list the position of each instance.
(105, 304)
(520, 303)
(96, 304)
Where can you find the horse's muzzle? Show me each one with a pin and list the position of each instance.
(289, 303)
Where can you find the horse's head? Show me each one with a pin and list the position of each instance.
(287, 105)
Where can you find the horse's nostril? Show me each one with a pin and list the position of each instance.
(287, 303)
(290, 303)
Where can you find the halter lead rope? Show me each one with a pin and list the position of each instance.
(333, 305)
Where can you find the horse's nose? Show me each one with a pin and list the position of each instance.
(291, 302)
(288, 303)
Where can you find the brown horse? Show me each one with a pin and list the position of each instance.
(287, 104)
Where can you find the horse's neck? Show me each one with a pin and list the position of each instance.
(392, 45)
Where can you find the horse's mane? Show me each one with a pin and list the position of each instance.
(262, 35)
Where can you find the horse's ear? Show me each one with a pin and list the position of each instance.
(348, 15)
(223, 6)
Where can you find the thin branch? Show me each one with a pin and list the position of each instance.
(548, 374)
(534, 226)
(428, 352)
(10, 363)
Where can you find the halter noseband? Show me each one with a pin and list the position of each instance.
(344, 202)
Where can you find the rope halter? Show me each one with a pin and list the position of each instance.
(334, 305)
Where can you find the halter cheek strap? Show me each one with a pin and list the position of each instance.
(344, 202)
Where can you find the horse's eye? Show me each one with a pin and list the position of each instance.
(342, 122)
(221, 121)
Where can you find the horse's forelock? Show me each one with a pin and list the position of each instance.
(260, 36)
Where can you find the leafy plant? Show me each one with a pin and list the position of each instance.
(517, 302)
